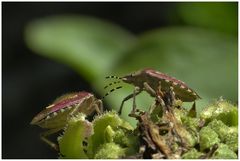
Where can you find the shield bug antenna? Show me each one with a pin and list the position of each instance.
(111, 91)
(113, 76)
(112, 83)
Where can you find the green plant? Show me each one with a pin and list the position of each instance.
(184, 52)
(202, 53)
(110, 137)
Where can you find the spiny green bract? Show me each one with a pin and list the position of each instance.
(190, 132)
(223, 152)
(105, 127)
(220, 128)
(70, 143)
(192, 154)
(227, 135)
(208, 138)
(109, 151)
(231, 139)
(110, 137)
(221, 110)
(107, 136)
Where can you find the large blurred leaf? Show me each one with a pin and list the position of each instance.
(221, 16)
(206, 61)
(89, 45)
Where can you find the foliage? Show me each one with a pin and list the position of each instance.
(204, 14)
(203, 52)
(110, 137)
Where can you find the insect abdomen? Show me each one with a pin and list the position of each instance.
(182, 91)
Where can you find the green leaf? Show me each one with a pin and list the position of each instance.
(205, 60)
(70, 143)
(220, 16)
(89, 45)
(104, 127)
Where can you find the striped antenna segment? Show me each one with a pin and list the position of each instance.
(113, 76)
(111, 91)
(111, 84)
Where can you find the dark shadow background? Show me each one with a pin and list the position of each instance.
(30, 82)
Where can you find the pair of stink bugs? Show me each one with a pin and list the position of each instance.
(55, 116)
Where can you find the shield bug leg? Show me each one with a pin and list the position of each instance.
(134, 94)
(151, 108)
(134, 99)
(98, 106)
(169, 97)
(172, 95)
(75, 110)
(149, 89)
(44, 138)
(93, 105)
(173, 100)
(159, 95)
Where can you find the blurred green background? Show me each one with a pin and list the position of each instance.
(194, 42)
(203, 52)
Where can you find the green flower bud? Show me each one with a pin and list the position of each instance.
(224, 152)
(109, 151)
(192, 154)
(208, 138)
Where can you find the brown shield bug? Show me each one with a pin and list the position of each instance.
(55, 116)
(149, 80)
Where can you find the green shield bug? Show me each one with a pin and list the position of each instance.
(55, 116)
(149, 80)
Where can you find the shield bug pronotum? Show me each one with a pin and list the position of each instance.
(55, 116)
(149, 80)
